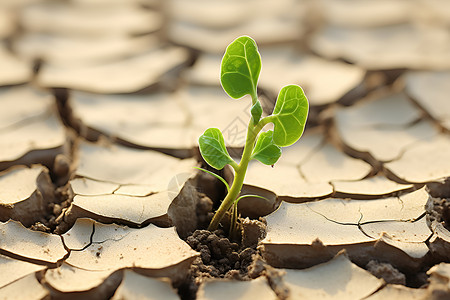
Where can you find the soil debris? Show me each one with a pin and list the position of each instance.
(386, 271)
(203, 210)
(439, 189)
(219, 257)
(438, 209)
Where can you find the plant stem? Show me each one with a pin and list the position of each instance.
(233, 193)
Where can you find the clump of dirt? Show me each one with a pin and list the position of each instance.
(441, 211)
(438, 207)
(259, 267)
(439, 189)
(219, 257)
(386, 271)
(203, 211)
(59, 199)
(51, 221)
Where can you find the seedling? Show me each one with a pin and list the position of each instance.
(240, 68)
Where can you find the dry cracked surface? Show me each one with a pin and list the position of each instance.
(102, 103)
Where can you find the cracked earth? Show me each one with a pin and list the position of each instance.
(102, 103)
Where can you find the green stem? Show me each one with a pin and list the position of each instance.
(233, 193)
(254, 97)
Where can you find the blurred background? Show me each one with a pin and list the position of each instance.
(93, 52)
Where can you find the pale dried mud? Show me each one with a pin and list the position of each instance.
(102, 103)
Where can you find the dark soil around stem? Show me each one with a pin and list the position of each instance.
(220, 257)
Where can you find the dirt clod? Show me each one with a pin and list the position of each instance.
(438, 209)
(218, 255)
(204, 213)
(386, 271)
(440, 189)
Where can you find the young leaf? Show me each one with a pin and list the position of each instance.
(240, 68)
(213, 150)
(256, 111)
(289, 115)
(265, 150)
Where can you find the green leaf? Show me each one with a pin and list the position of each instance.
(289, 115)
(256, 111)
(265, 150)
(240, 68)
(215, 175)
(213, 150)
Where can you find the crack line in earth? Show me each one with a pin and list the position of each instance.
(91, 237)
(29, 120)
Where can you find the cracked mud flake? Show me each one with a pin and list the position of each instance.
(126, 75)
(441, 270)
(69, 279)
(360, 226)
(205, 70)
(312, 73)
(311, 164)
(439, 287)
(33, 104)
(398, 292)
(89, 19)
(13, 269)
(423, 161)
(139, 119)
(371, 187)
(46, 134)
(227, 289)
(265, 31)
(379, 110)
(151, 208)
(152, 250)
(131, 166)
(440, 241)
(14, 70)
(7, 23)
(136, 286)
(285, 181)
(88, 187)
(408, 207)
(439, 9)
(74, 50)
(33, 246)
(32, 128)
(25, 194)
(214, 14)
(430, 90)
(365, 13)
(268, 24)
(386, 47)
(383, 125)
(27, 287)
(338, 278)
(106, 189)
(328, 163)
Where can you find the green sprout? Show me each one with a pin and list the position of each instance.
(240, 68)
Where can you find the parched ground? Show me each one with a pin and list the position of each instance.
(101, 106)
